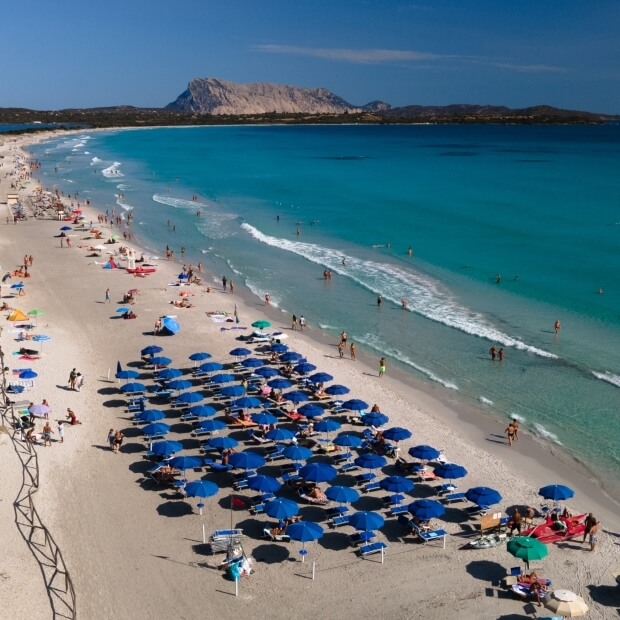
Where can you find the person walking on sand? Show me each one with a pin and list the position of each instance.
(72, 379)
(118, 441)
(382, 367)
(294, 322)
(61, 432)
(111, 434)
(107, 296)
(224, 281)
(79, 381)
(510, 433)
(231, 287)
(302, 322)
(594, 534)
(343, 337)
(352, 350)
(515, 429)
(557, 326)
(47, 434)
(267, 299)
(341, 346)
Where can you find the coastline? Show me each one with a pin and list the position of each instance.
(464, 433)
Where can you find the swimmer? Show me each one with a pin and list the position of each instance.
(557, 326)
(344, 261)
(403, 303)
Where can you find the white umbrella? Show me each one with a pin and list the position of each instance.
(566, 603)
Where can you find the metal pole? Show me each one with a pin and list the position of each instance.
(382, 555)
(204, 539)
(313, 569)
(236, 587)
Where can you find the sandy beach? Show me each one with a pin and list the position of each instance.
(134, 549)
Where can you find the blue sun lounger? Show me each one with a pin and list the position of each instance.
(371, 548)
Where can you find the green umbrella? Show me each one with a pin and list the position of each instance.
(527, 549)
(35, 312)
(261, 324)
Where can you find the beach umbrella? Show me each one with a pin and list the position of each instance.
(151, 350)
(280, 434)
(355, 404)
(281, 508)
(566, 603)
(556, 492)
(261, 324)
(279, 383)
(304, 531)
(264, 484)
(221, 443)
(41, 338)
(450, 471)
(211, 426)
(370, 460)
(342, 495)
(28, 374)
(297, 453)
(169, 373)
(127, 374)
(168, 324)
(320, 377)
(347, 440)
(190, 397)
(123, 310)
(179, 384)
(246, 460)
(311, 410)
(337, 390)
(160, 361)
(396, 484)
(201, 488)
(318, 472)
(202, 411)
(264, 419)
(424, 453)
(527, 548)
(304, 368)
(65, 228)
(39, 410)
(199, 356)
(156, 428)
(290, 356)
(18, 285)
(240, 352)
(396, 433)
(130, 388)
(374, 419)
(266, 372)
(426, 509)
(327, 426)
(252, 362)
(247, 402)
(297, 396)
(232, 391)
(366, 521)
(35, 312)
(184, 462)
(223, 377)
(483, 496)
(278, 347)
(149, 415)
(210, 366)
(166, 448)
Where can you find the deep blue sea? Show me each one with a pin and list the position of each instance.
(540, 206)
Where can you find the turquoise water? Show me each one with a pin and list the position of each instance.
(538, 205)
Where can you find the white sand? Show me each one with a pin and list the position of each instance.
(134, 549)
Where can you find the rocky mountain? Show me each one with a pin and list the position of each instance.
(213, 96)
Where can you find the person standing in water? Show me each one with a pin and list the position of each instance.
(557, 326)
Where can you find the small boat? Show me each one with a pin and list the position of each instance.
(142, 269)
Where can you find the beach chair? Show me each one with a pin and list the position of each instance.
(275, 537)
(371, 486)
(189, 417)
(370, 548)
(444, 489)
(453, 498)
(426, 536)
(393, 500)
(347, 467)
(339, 520)
(365, 478)
(361, 538)
(341, 457)
(397, 510)
(336, 511)
(219, 467)
(290, 477)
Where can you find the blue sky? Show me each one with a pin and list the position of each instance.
(71, 53)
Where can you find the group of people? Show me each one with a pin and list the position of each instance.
(115, 440)
(294, 321)
(496, 354)
(76, 380)
(512, 431)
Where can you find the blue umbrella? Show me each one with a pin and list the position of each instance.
(224, 377)
(304, 368)
(290, 356)
(211, 426)
(556, 492)
(150, 415)
(426, 509)
(246, 460)
(19, 285)
(304, 531)
(166, 448)
(266, 372)
(279, 383)
(127, 374)
(375, 419)
(311, 410)
(278, 348)
(321, 377)
(396, 433)
(41, 338)
(190, 397)
(337, 390)
(280, 434)
(281, 508)
(318, 472)
(201, 488)
(66, 228)
(184, 462)
(370, 460)
(151, 350)
(355, 404)
(451, 471)
(183, 276)
(252, 362)
(240, 352)
(342, 495)
(232, 391)
(169, 373)
(221, 443)
(483, 496)
(396, 484)
(156, 428)
(129, 388)
(28, 374)
(169, 325)
(264, 484)
(297, 453)
(210, 366)
(247, 402)
(264, 418)
(199, 356)
(366, 521)
(203, 411)
(327, 426)
(297, 396)
(179, 384)
(347, 440)
(424, 453)
(160, 361)
(123, 310)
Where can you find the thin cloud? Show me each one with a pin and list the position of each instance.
(528, 68)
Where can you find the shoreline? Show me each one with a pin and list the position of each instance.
(106, 488)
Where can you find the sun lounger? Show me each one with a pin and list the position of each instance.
(336, 511)
(294, 416)
(276, 537)
(427, 476)
(370, 548)
(393, 500)
(290, 477)
(219, 467)
(453, 498)
(339, 520)
(365, 478)
(340, 457)
(347, 467)
(444, 489)
(371, 486)
(426, 536)
(398, 509)
(361, 538)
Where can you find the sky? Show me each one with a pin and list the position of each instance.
(73, 54)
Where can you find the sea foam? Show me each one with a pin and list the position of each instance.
(608, 377)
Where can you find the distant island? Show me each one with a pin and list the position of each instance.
(212, 101)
